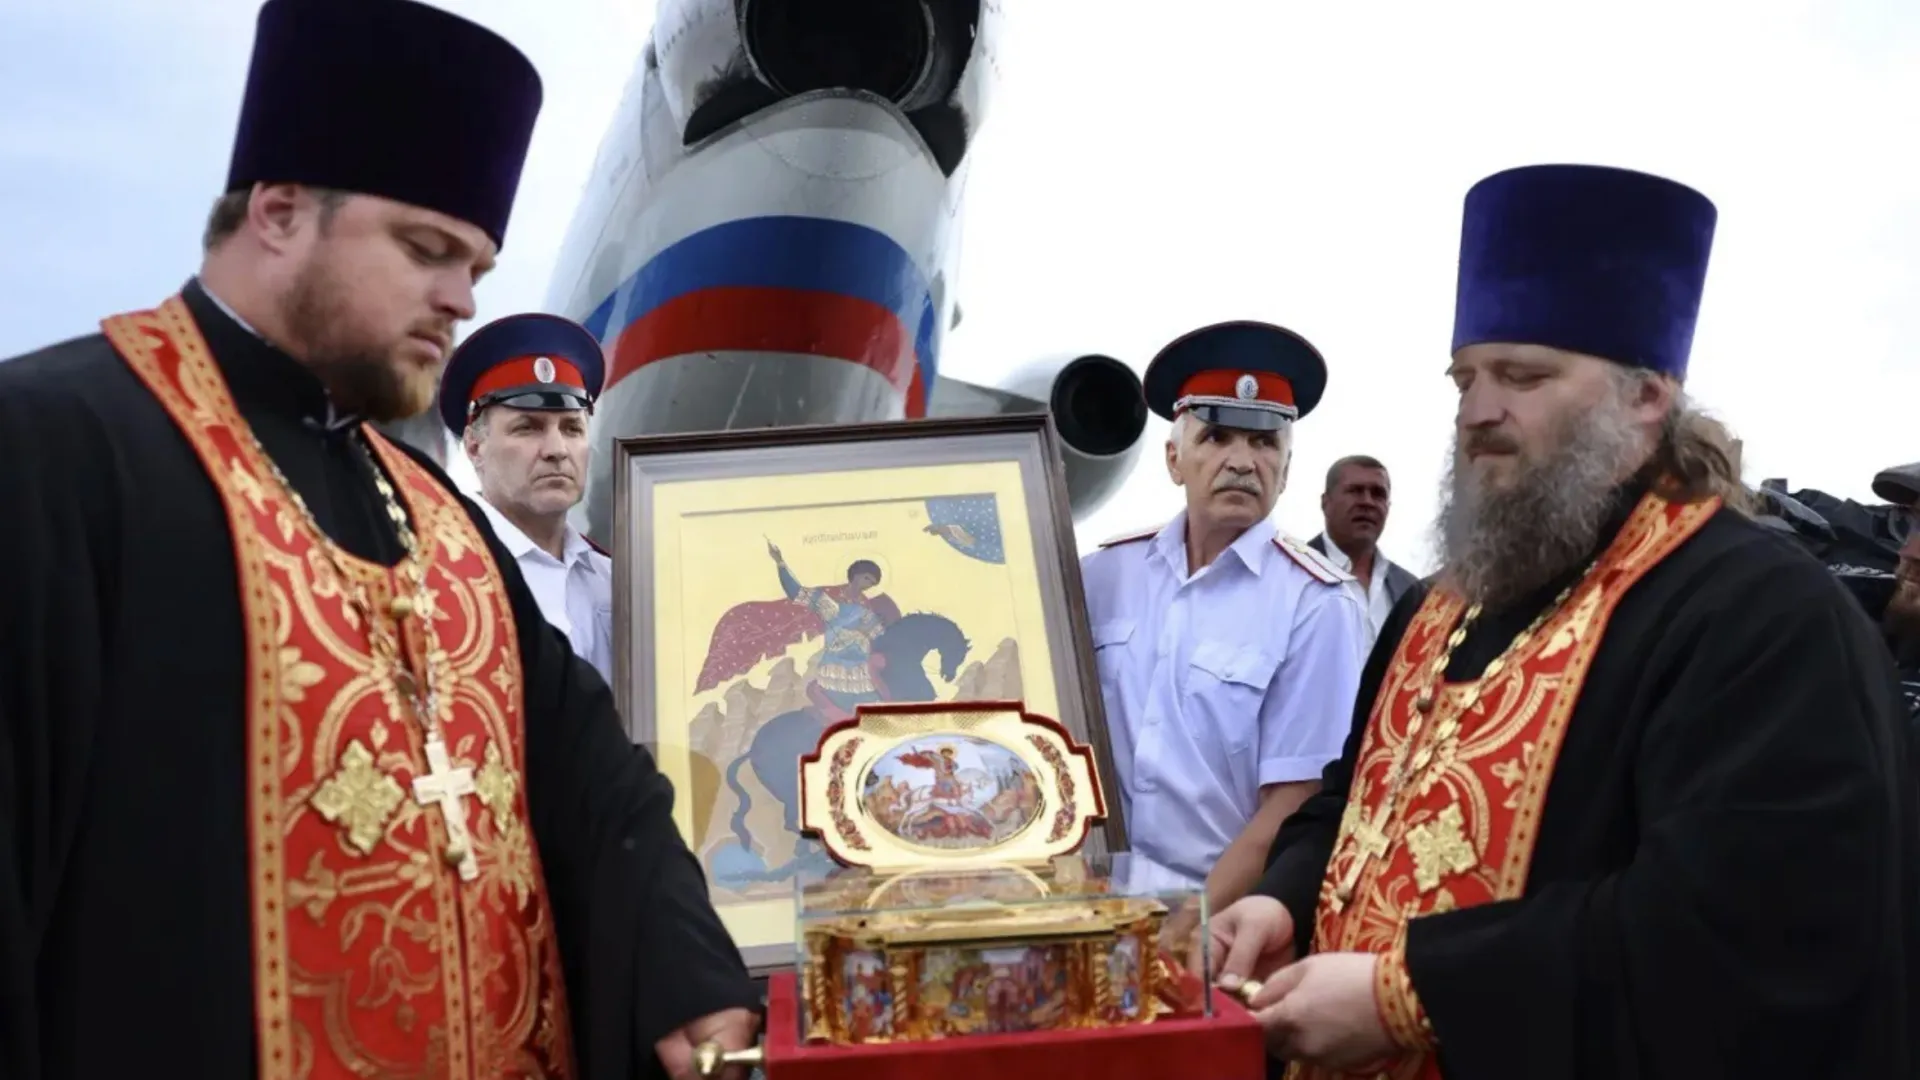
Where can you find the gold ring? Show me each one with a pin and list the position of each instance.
(709, 1058)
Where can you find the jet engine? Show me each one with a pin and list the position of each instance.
(1097, 410)
(770, 236)
(723, 61)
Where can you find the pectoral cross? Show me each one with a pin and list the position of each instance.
(445, 785)
(1370, 840)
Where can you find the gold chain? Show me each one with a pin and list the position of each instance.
(1370, 836)
(1438, 670)
(421, 693)
(1449, 727)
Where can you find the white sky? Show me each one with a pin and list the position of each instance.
(1142, 173)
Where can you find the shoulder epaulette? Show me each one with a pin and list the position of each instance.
(1128, 538)
(1314, 563)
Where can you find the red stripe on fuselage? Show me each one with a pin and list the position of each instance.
(755, 319)
(917, 396)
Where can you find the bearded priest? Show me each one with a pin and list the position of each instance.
(295, 780)
(1626, 793)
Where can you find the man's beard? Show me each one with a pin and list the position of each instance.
(1900, 622)
(1500, 545)
(363, 378)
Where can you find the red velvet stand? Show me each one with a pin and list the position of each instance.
(1227, 1047)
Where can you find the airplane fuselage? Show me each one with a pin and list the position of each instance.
(770, 233)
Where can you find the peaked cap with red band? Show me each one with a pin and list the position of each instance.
(531, 361)
(1249, 375)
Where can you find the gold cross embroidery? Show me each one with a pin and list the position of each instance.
(1439, 847)
(360, 795)
(495, 785)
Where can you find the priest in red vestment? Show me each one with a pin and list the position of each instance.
(1627, 792)
(295, 780)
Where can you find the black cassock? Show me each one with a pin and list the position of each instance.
(125, 939)
(1724, 883)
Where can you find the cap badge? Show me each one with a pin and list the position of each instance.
(543, 369)
(1247, 388)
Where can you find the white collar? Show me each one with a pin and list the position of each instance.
(1336, 554)
(231, 314)
(1252, 547)
(519, 544)
(1338, 557)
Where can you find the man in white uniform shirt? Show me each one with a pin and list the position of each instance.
(1229, 653)
(517, 393)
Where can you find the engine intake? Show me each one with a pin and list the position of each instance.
(719, 68)
(1099, 414)
(883, 47)
(1097, 406)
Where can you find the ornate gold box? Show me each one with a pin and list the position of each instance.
(962, 907)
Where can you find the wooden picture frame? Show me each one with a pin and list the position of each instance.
(964, 522)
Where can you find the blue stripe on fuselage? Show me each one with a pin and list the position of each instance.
(808, 253)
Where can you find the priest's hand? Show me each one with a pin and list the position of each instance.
(1322, 1011)
(1250, 939)
(733, 1029)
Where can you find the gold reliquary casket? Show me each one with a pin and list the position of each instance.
(964, 905)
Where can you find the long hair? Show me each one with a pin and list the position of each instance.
(1695, 459)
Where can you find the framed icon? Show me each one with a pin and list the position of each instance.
(768, 582)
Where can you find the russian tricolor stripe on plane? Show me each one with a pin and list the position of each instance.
(783, 284)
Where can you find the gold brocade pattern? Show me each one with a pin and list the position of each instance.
(1472, 761)
(372, 957)
(1400, 1012)
(360, 797)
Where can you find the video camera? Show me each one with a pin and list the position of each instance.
(1859, 543)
